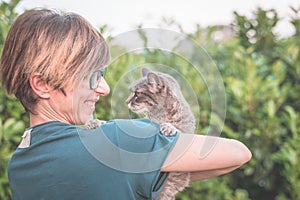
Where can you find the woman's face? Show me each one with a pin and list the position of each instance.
(77, 105)
(85, 96)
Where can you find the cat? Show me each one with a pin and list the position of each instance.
(158, 95)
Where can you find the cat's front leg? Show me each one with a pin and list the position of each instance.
(167, 129)
(94, 123)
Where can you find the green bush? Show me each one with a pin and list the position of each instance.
(261, 74)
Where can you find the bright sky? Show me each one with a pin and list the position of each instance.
(125, 15)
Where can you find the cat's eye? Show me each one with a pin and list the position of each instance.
(137, 93)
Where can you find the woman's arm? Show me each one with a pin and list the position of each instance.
(206, 156)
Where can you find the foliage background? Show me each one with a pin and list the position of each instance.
(261, 74)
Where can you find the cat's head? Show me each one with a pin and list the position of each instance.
(154, 92)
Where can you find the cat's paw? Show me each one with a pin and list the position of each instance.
(94, 123)
(167, 129)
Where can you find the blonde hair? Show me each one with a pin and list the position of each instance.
(62, 47)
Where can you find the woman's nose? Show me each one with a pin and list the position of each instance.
(102, 88)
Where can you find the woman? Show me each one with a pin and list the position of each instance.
(53, 63)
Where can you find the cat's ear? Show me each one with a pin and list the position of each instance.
(145, 71)
(154, 79)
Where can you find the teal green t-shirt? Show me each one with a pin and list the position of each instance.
(120, 160)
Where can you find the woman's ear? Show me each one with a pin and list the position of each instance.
(39, 86)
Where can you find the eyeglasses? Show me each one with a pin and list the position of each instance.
(96, 77)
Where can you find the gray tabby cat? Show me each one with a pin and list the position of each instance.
(158, 95)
